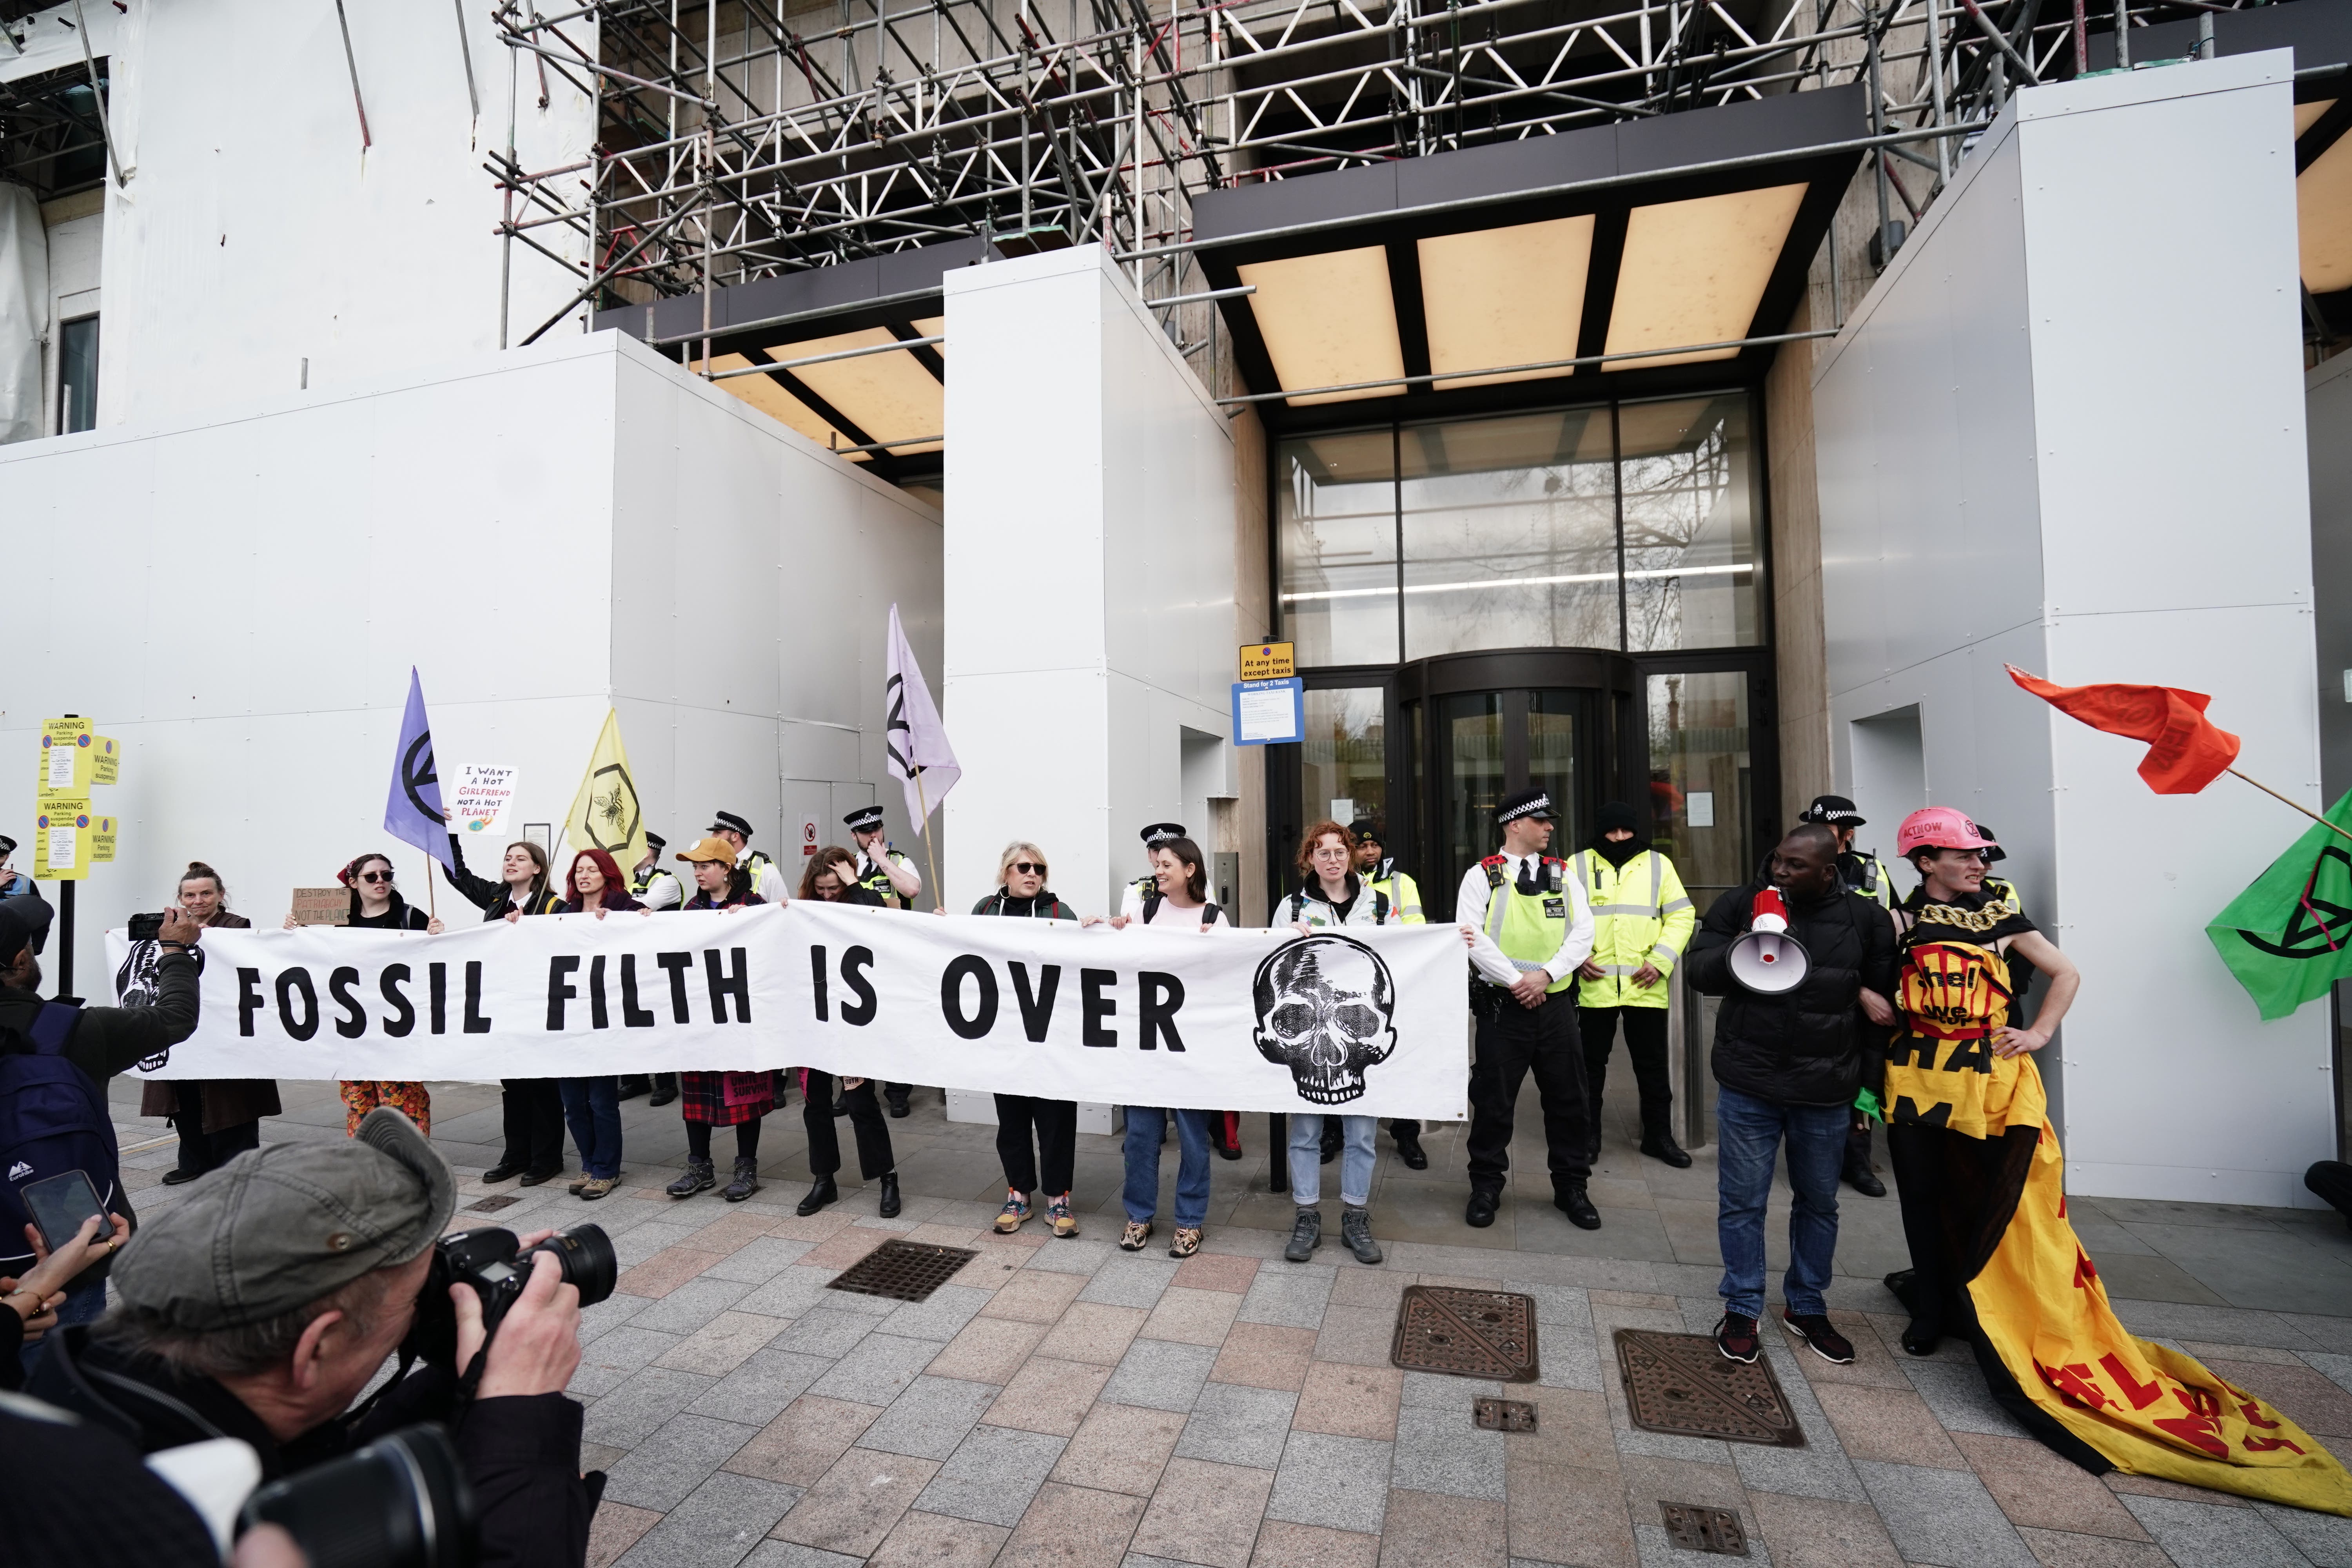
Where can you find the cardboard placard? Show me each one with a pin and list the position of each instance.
(322, 906)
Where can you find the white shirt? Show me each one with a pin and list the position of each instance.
(1168, 914)
(1130, 898)
(769, 883)
(1486, 958)
(663, 891)
(867, 866)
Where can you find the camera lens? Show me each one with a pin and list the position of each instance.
(400, 1502)
(586, 1254)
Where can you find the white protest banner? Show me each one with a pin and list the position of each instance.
(1364, 1022)
(478, 803)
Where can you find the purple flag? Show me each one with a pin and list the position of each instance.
(412, 812)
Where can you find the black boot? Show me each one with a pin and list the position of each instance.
(746, 1181)
(665, 1090)
(633, 1086)
(701, 1177)
(1409, 1151)
(821, 1193)
(896, 1094)
(1572, 1200)
(1306, 1236)
(890, 1205)
(1659, 1144)
(1863, 1179)
(1480, 1213)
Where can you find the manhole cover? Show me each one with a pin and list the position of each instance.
(1681, 1384)
(903, 1270)
(492, 1204)
(1503, 1414)
(1470, 1333)
(1696, 1528)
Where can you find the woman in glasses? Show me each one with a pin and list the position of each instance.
(1021, 893)
(831, 878)
(377, 905)
(1179, 899)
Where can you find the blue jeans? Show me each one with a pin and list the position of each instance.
(1749, 1134)
(1140, 1196)
(592, 1106)
(1356, 1157)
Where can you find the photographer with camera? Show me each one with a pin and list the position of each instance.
(262, 1303)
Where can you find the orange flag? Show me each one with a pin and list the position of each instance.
(2186, 751)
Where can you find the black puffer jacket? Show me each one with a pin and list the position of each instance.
(1804, 1047)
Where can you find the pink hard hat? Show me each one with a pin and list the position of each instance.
(1938, 828)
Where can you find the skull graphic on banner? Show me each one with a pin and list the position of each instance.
(1326, 1008)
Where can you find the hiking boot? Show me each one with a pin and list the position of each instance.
(700, 1178)
(1185, 1242)
(1736, 1338)
(1137, 1233)
(746, 1181)
(580, 1181)
(1822, 1340)
(1015, 1210)
(1356, 1230)
(1065, 1224)
(595, 1187)
(1306, 1236)
(821, 1192)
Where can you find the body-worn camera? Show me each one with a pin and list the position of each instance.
(495, 1263)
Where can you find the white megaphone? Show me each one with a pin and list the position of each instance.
(1768, 959)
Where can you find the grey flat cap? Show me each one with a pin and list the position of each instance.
(280, 1227)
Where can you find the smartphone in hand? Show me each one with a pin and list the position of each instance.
(59, 1204)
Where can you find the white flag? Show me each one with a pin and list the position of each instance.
(914, 741)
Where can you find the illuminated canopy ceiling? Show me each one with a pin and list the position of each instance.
(1398, 275)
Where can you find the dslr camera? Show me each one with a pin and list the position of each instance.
(495, 1264)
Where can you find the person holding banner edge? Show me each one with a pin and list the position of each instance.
(376, 904)
(217, 1118)
(708, 1100)
(656, 889)
(532, 1107)
(831, 877)
(1379, 870)
(1021, 894)
(593, 1105)
(891, 877)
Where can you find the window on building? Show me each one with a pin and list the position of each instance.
(1345, 757)
(1700, 774)
(1631, 526)
(78, 375)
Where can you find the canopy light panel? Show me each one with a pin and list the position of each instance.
(1328, 321)
(1504, 296)
(1695, 271)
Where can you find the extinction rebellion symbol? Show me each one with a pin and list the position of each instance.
(2318, 925)
(417, 774)
(613, 810)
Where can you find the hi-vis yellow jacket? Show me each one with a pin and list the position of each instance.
(1639, 915)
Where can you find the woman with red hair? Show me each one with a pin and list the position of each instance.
(593, 1105)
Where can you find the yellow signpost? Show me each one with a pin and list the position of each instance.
(68, 837)
(1268, 661)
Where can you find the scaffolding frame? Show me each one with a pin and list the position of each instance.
(739, 140)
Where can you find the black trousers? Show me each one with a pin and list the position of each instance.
(1541, 1040)
(1401, 1127)
(1057, 1125)
(534, 1115)
(874, 1156)
(202, 1151)
(1857, 1144)
(1645, 1044)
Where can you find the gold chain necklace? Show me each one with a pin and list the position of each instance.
(1984, 919)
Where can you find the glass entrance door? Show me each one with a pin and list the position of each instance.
(1492, 744)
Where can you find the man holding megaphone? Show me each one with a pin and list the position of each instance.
(1804, 966)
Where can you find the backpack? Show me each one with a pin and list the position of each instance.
(1209, 912)
(1379, 906)
(52, 1120)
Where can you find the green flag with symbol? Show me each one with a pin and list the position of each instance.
(2288, 937)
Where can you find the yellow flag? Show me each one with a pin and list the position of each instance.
(605, 813)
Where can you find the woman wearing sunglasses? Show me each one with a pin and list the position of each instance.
(1021, 893)
(377, 904)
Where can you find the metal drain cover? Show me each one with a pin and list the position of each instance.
(1487, 1334)
(903, 1270)
(492, 1204)
(1696, 1528)
(1682, 1384)
(1503, 1414)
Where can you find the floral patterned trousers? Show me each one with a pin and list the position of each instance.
(364, 1095)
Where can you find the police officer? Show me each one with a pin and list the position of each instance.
(1863, 871)
(653, 886)
(767, 879)
(656, 888)
(1130, 899)
(1866, 873)
(1642, 922)
(2021, 969)
(1378, 871)
(1533, 929)
(880, 868)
